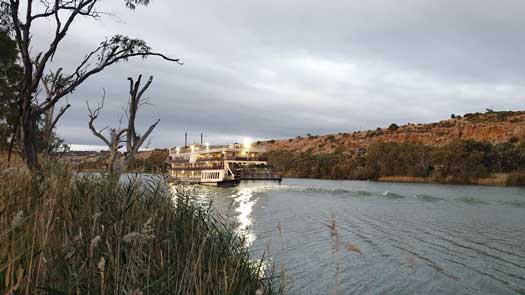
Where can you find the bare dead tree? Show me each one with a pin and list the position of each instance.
(133, 140)
(114, 139)
(62, 14)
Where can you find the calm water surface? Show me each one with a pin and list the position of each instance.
(413, 238)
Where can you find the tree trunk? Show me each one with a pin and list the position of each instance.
(112, 161)
(27, 140)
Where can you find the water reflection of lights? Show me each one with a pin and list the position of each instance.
(235, 204)
(245, 197)
(245, 202)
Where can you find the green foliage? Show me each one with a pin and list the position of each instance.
(307, 165)
(516, 179)
(393, 127)
(506, 157)
(447, 124)
(10, 73)
(330, 138)
(459, 161)
(489, 116)
(393, 159)
(374, 133)
(514, 139)
(68, 234)
(155, 163)
(132, 4)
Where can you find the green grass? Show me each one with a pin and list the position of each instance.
(61, 233)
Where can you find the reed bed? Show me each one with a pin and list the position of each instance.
(62, 233)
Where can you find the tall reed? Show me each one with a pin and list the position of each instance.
(62, 233)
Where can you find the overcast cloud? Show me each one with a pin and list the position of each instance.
(282, 68)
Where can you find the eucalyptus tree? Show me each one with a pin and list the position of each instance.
(10, 73)
(19, 17)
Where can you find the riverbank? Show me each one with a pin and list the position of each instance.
(496, 179)
(63, 233)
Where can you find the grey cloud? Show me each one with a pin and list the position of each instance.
(277, 69)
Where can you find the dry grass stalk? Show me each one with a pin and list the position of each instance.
(62, 233)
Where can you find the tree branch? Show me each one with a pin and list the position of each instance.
(93, 115)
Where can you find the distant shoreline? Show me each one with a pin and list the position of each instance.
(496, 180)
(500, 179)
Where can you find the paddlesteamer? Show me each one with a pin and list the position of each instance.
(220, 165)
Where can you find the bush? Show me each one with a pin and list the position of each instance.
(68, 234)
(393, 127)
(516, 179)
(514, 139)
(447, 124)
(330, 138)
(461, 161)
(398, 159)
(154, 163)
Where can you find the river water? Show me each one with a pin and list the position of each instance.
(358, 237)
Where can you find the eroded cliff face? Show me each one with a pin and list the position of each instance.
(493, 127)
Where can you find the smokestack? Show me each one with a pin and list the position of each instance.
(185, 139)
(201, 139)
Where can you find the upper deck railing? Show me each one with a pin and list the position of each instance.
(215, 159)
(199, 150)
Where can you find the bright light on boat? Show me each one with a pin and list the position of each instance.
(247, 143)
(207, 146)
(177, 150)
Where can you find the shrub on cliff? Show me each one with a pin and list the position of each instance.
(393, 127)
(330, 138)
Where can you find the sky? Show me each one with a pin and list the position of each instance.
(277, 69)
